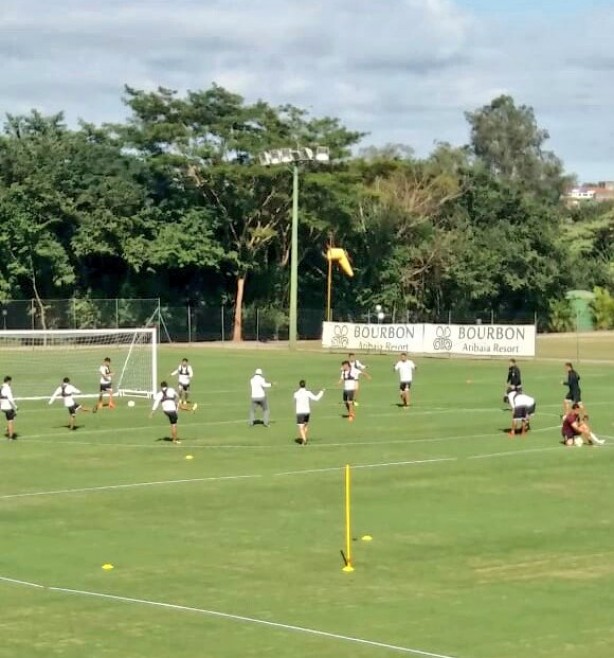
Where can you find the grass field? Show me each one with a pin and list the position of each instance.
(483, 546)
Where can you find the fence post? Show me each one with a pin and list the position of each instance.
(492, 317)
(33, 313)
(189, 323)
(257, 324)
(222, 313)
(74, 313)
(450, 316)
(116, 313)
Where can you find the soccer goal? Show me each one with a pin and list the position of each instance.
(38, 360)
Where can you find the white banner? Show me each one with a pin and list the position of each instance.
(494, 340)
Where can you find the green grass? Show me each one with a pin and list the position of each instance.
(505, 550)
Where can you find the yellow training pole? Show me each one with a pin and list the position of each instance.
(348, 527)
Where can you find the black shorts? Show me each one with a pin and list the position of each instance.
(172, 417)
(574, 396)
(183, 387)
(106, 387)
(73, 410)
(404, 386)
(302, 419)
(348, 396)
(523, 412)
(10, 414)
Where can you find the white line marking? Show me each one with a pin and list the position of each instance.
(378, 465)
(514, 452)
(231, 617)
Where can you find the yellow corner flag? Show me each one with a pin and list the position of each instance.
(338, 255)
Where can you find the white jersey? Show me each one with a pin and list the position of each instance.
(520, 400)
(66, 392)
(7, 402)
(258, 383)
(350, 378)
(302, 399)
(405, 370)
(185, 374)
(357, 368)
(106, 376)
(167, 397)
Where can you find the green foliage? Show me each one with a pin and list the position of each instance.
(560, 316)
(602, 308)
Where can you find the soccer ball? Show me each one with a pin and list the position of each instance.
(578, 441)
(131, 403)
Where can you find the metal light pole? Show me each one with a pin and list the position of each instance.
(294, 157)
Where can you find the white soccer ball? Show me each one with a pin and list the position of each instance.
(131, 403)
(578, 441)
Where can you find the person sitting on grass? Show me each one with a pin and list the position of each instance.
(575, 429)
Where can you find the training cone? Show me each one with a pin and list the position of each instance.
(367, 538)
(189, 457)
(107, 567)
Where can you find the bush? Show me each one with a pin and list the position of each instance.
(602, 308)
(560, 316)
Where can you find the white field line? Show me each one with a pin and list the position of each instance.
(231, 617)
(253, 476)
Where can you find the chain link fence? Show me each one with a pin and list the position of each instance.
(201, 322)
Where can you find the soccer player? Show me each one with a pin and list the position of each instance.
(349, 380)
(574, 394)
(67, 391)
(106, 384)
(513, 381)
(9, 407)
(576, 426)
(184, 374)
(258, 385)
(405, 367)
(168, 398)
(302, 400)
(358, 369)
(523, 407)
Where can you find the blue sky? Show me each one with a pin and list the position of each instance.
(405, 71)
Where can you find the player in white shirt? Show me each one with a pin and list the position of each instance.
(106, 384)
(523, 407)
(9, 407)
(184, 374)
(405, 367)
(67, 391)
(258, 385)
(358, 369)
(349, 378)
(168, 398)
(302, 401)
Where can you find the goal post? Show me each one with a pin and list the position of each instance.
(38, 360)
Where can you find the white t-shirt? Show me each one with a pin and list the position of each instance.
(66, 392)
(7, 402)
(349, 378)
(520, 400)
(185, 373)
(106, 375)
(302, 399)
(258, 383)
(168, 398)
(357, 368)
(405, 370)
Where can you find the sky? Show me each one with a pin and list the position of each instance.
(404, 71)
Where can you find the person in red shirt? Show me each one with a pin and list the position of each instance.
(574, 425)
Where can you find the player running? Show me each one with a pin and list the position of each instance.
(575, 429)
(258, 385)
(302, 400)
(523, 407)
(358, 369)
(8, 407)
(106, 384)
(405, 367)
(67, 391)
(349, 378)
(168, 398)
(574, 394)
(184, 374)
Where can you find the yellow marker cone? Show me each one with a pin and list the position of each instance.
(189, 457)
(107, 567)
(367, 538)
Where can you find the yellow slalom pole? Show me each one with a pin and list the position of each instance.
(348, 526)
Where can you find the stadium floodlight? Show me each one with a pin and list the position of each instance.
(294, 157)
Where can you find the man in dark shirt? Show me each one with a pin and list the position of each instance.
(574, 394)
(513, 383)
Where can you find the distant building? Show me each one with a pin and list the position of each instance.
(602, 191)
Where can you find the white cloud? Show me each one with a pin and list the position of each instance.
(404, 70)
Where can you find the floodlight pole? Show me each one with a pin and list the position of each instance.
(294, 261)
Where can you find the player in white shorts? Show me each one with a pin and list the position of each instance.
(67, 391)
(168, 398)
(184, 374)
(405, 367)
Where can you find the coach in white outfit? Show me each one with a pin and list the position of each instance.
(258, 385)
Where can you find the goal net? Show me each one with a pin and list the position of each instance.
(38, 360)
